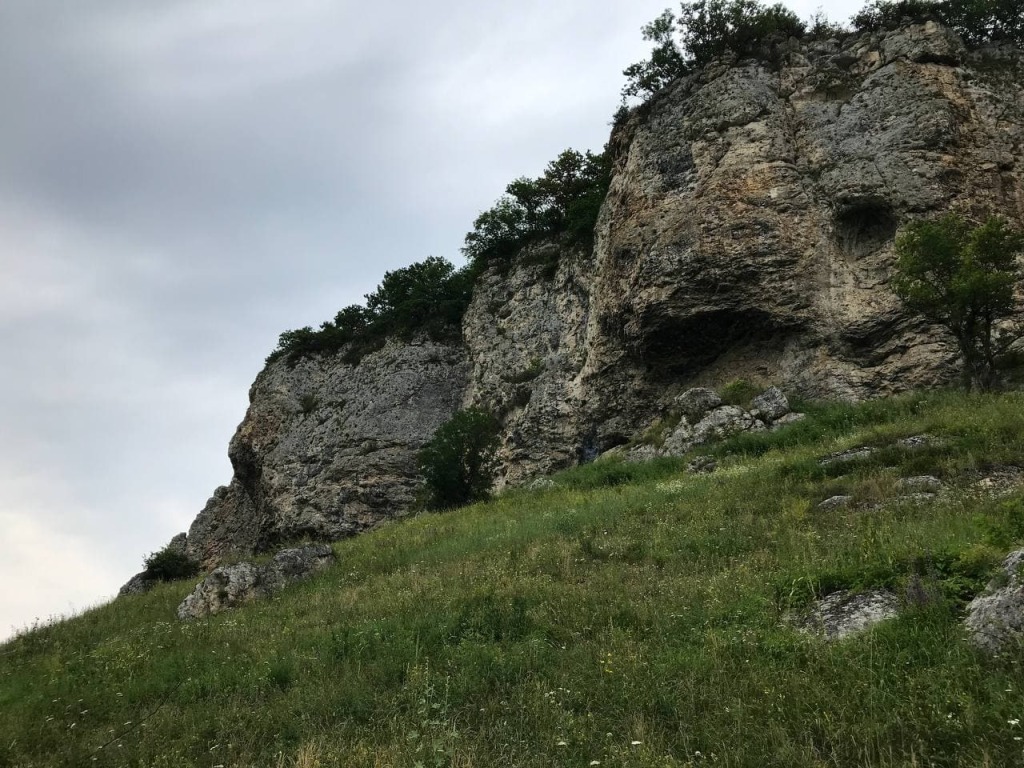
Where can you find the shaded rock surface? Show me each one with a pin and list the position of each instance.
(995, 619)
(328, 449)
(231, 585)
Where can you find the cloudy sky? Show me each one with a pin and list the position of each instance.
(181, 181)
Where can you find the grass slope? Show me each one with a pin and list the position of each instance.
(633, 615)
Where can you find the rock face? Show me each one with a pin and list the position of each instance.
(525, 334)
(747, 233)
(232, 585)
(328, 449)
(748, 230)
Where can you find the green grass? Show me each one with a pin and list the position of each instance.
(630, 614)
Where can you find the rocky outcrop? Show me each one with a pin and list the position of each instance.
(748, 230)
(232, 585)
(747, 233)
(525, 337)
(699, 417)
(328, 449)
(995, 619)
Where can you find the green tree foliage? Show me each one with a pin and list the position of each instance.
(666, 63)
(428, 297)
(561, 204)
(976, 21)
(458, 462)
(170, 565)
(704, 30)
(963, 277)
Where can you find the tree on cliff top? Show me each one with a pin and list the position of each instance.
(562, 204)
(428, 297)
(707, 29)
(963, 277)
(976, 21)
(704, 30)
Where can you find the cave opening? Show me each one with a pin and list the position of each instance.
(865, 227)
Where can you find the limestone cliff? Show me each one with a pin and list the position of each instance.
(328, 449)
(747, 233)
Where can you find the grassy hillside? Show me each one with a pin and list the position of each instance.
(630, 615)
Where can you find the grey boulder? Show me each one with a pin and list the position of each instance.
(232, 585)
(995, 619)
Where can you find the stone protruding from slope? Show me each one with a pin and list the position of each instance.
(842, 614)
(232, 585)
(524, 332)
(703, 419)
(995, 619)
(140, 583)
(770, 405)
(696, 403)
(328, 448)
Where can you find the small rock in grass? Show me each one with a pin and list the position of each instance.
(789, 418)
(924, 483)
(919, 441)
(835, 502)
(916, 498)
(702, 465)
(847, 455)
(842, 614)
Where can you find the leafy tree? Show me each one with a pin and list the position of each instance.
(561, 204)
(976, 21)
(428, 297)
(963, 277)
(882, 14)
(458, 462)
(704, 30)
(666, 63)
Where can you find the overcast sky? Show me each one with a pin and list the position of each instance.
(181, 181)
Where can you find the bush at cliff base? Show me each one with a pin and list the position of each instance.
(458, 462)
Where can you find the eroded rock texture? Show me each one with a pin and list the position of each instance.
(328, 449)
(749, 226)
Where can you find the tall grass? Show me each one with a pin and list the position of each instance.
(633, 615)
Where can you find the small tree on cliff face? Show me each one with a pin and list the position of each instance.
(458, 462)
(963, 277)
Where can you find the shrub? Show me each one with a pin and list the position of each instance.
(976, 21)
(963, 278)
(561, 205)
(458, 462)
(428, 297)
(739, 392)
(704, 30)
(170, 564)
